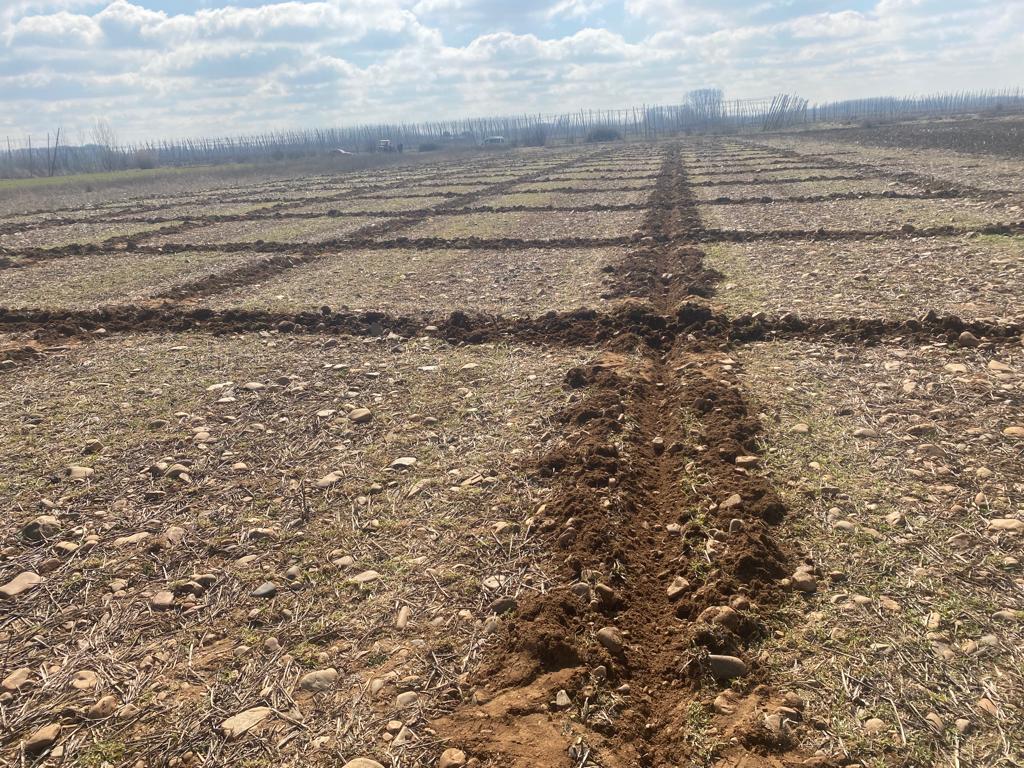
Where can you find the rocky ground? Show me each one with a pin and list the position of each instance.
(703, 452)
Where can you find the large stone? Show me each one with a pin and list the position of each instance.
(23, 582)
(362, 762)
(265, 590)
(611, 638)
(84, 680)
(366, 577)
(162, 600)
(103, 708)
(16, 679)
(42, 739)
(42, 528)
(452, 758)
(407, 699)
(238, 724)
(1010, 524)
(360, 415)
(319, 680)
(726, 667)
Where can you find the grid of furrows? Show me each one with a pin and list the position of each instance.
(702, 452)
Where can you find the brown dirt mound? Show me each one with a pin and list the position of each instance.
(630, 512)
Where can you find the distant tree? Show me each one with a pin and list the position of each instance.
(105, 137)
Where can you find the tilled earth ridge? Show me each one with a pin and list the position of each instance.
(661, 596)
(664, 579)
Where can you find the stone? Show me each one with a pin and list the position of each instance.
(42, 528)
(84, 680)
(404, 462)
(874, 726)
(328, 480)
(804, 582)
(238, 724)
(360, 415)
(725, 703)
(266, 590)
(42, 739)
(407, 699)
(452, 758)
(80, 473)
(678, 586)
(135, 538)
(800, 429)
(366, 577)
(935, 723)
(21, 583)
(1008, 524)
(562, 699)
(967, 339)
(732, 502)
(403, 737)
(102, 709)
(611, 639)
(16, 679)
(865, 432)
(964, 726)
(726, 667)
(162, 600)
(1014, 431)
(747, 461)
(403, 617)
(320, 680)
(362, 762)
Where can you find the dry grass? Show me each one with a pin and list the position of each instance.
(83, 282)
(993, 173)
(921, 616)
(530, 225)
(970, 277)
(433, 281)
(248, 510)
(871, 215)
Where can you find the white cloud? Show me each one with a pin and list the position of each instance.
(266, 64)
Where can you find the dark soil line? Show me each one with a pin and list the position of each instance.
(569, 189)
(906, 232)
(662, 268)
(761, 182)
(938, 195)
(755, 171)
(31, 256)
(281, 215)
(629, 327)
(117, 215)
(918, 179)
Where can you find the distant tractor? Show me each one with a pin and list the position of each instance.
(384, 145)
(495, 141)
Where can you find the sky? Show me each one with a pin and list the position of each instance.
(178, 68)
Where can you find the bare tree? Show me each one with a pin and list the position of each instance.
(105, 138)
